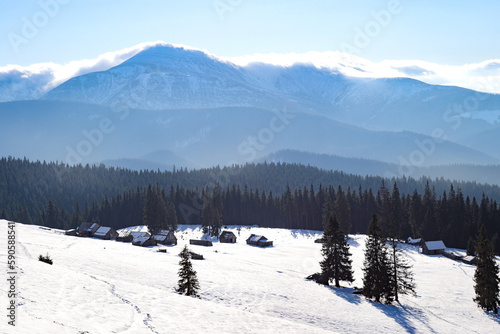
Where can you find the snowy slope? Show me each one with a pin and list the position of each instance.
(112, 287)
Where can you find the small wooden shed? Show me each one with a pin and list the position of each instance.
(124, 235)
(144, 241)
(259, 240)
(200, 242)
(71, 232)
(227, 237)
(128, 236)
(106, 233)
(165, 238)
(87, 229)
(433, 247)
(415, 242)
(470, 260)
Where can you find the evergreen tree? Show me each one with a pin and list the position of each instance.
(378, 272)
(336, 264)
(188, 282)
(171, 216)
(342, 210)
(76, 218)
(211, 213)
(486, 275)
(471, 250)
(155, 210)
(402, 279)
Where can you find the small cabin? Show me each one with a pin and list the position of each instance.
(105, 233)
(320, 240)
(144, 241)
(452, 255)
(127, 236)
(124, 235)
(165, 238)
(87, 229)
(200, 242)
(433, 247)
(195, 256)
(415, 242)
(227, 237)
(470, 260)
(71, 232)
(258, 240)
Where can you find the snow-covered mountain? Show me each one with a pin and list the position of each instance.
(169, 77)
(209, 111)
(98, 286)
(166, 77)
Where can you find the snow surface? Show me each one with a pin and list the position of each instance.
(103, 286)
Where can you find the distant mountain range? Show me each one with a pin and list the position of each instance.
(173, 106)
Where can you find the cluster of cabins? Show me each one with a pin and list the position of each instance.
(144, 239)
(229, 237)
(163, 237)
(438, 247)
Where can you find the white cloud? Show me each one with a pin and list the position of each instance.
(484, 76)
(32, 81)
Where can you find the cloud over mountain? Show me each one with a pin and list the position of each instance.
(31, 82)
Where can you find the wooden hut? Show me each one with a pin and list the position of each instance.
(165, 238)
(127, 236)
(106, 233)
(124, 235)
(87, 229)
(195, 256)
(71, 232)
(144, 241)
(470, 260)
(227, 237)
(258, 240)
(200, 242)
(452, 255)
(415, 242)
(433, 247)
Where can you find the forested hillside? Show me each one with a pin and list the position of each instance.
(271, 195)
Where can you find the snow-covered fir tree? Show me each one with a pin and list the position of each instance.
(402, 280)
(486, 275)
(336, 265)
(188, 282)
(377, 267)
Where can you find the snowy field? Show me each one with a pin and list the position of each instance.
(97, 286)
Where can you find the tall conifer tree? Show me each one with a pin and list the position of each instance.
(486, 275)
(336, 264)
(377, 268)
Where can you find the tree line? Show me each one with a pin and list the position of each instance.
(269, 195)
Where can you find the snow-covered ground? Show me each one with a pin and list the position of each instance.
(99, 286)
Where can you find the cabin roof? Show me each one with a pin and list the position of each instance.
(256, 238)
(435, 245)
(159, 237)
(102, 231)
(226, 234)
(87, 227)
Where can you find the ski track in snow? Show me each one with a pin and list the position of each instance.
(147, 319)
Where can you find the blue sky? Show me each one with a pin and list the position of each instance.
(445, 31)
